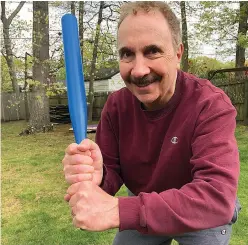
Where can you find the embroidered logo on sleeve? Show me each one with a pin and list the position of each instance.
(174, 140)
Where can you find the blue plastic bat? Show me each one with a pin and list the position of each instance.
(77, 100)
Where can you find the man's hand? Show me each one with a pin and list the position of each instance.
(92, 208)
(83, 162)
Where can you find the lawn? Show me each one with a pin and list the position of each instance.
(33, 186)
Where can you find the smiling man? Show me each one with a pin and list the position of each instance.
(168, 136)
(149, 56)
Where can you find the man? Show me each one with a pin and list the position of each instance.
(168, 136)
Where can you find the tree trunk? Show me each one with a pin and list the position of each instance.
(185, 62)
(38, 101)
(73, 9)
(10, 60)
(25, 87)
(81, 27)
(8, 45)
(242, 30)
(93, 62)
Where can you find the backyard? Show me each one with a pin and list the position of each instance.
(33, 186)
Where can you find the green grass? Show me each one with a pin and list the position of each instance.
(33, 186)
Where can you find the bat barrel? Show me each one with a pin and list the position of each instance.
(77, 100)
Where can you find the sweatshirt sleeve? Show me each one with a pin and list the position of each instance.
(107, 140)
(208, 201)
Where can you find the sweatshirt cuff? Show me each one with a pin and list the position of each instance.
(132, 214)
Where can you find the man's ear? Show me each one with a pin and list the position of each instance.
(179, 53)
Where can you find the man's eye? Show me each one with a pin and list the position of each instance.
(152, 51)
(126, 54)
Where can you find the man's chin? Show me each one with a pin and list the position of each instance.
(146, 99)
(144, 91)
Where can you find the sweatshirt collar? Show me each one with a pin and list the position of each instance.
(170, 105)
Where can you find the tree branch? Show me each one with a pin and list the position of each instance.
(88, 21)
(56, 69)
(56, 49)
(15, 12)
(3, 54)
(3, 16)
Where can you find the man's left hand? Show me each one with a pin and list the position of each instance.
(92, 208)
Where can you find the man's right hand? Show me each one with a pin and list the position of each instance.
(83, 162)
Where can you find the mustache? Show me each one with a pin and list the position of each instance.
(149, 78)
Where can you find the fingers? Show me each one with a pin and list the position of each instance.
(78, 223)
(75, 198)
(72, 179)
(88, 144)
(78, 165)
(78, 212)
(74, 193)
(73, 149)
(78, 173)
(85, 146)
(67, 197)
(78, 169)
(96, 156)
(74, 188)
(77, 159)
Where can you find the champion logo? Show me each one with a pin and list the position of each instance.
(174, 140)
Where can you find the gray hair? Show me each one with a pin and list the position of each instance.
(174, 24)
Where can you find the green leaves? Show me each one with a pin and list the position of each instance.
(54, 89)
(200, 66)
(243, 40)
(218, 24)
(6, 85)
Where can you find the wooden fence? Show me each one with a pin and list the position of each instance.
(13, 108)
(236, 89)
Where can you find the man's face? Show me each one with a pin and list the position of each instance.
(148, 60)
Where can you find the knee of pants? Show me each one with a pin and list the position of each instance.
(215, 236)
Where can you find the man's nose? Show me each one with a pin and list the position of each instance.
(140, 68)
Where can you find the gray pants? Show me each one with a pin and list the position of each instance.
(214, 236)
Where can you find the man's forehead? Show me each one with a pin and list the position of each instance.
(143, 26)
(142, 37)
(140, 45)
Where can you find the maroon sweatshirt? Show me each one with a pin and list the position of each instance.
(181, 161)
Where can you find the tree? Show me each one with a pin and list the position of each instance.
(93, 61)
(7, 42)
(184, 37)
(105, 57)
(81, 27)
(73, 9)
(242, 41)
(5, 75)
(201, 65)
(102, 37)
(38, 101)
(187, 10)
(224, 24)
